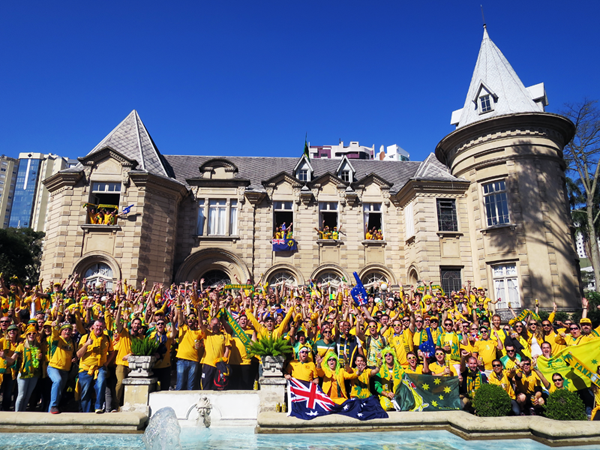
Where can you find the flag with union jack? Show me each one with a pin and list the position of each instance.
(308, 401)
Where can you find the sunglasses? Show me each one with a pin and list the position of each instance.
(532, 324)
(546, 325)
(518, 326)
(556, 380)
(326, 332)
(573, 328)
(31, 334)
(439, 354)
(4, 321)
(304, 351)
(526, 364)
(496, 365)
(420, 321)
(509, 351)
(411, 358)
(329, 360)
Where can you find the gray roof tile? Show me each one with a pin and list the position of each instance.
(258, 169)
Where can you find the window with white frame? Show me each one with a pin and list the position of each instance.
(346, 176)
(105, 195)
(99, 274)
(281, 277)
(506, 285)
(409, 220)
(496, 203)
(217, 217)
(372, 216)
(373, 278)
(283, 214)
(485, 102)
(328, 215)
(303, 172)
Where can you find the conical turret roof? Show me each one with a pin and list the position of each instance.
(494, 76)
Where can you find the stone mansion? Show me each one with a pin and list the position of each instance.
(487, 206)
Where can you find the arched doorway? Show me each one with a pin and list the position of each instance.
(214, 278)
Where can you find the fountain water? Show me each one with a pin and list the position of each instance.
(163, 431)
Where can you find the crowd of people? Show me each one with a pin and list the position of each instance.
(66, 347)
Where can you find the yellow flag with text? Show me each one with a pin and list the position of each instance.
(588, 354)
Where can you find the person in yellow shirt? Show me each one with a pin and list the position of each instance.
(486, 350)
(528, 388)
(360, 384)
(217, 347)
(123, 338)
(440, 367)
(188, 352)
(303, 369)
(8, 366)
(502, 378)
(30, 367)
(334, 377)
(62, 349)
(242, 369)
(389, 378)
(162, 367)
(268, 329)
(400, 338)
(95, 352)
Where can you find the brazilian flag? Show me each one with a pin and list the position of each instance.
(426, 393)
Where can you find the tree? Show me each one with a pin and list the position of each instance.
(20, 253)
(582, 155)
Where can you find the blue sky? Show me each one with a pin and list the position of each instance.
(251, 78)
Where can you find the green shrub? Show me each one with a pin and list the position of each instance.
(491, 400)
(271, 347)
(565, 405)
(144, 347)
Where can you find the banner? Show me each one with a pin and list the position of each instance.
(239, 286)
(284, 245)
(238, 332)
(308, 401)
(427, 393)
(588, 355)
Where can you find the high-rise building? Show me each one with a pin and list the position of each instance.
(8, 179)
(30, 199)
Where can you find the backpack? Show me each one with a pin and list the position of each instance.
(222, 378)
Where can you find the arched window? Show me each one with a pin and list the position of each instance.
(374, 277)
(332, 278)
(97, 274)
(282, 276)
(213, 278)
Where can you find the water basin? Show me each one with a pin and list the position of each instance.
(245, 439)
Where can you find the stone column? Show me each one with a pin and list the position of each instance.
(272, 384)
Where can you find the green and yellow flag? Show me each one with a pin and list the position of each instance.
(427, 393)
(570, 363)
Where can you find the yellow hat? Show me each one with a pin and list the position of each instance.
(31, 329)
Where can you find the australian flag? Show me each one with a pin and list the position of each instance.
(284, 245)
(308, 401)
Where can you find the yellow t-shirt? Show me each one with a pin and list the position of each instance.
(187, 342)
(527, 383)
(486, 350)
(239, 355)
(435, 368)
(97, 353)
(302, 371)
(214, 347)
(503, 382)
(61, 352)
(123, 346)
(360, 385)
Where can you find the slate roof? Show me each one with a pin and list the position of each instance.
(131, 139)
(259, 169)
(495, 72)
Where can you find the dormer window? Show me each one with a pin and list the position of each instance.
(485, 102)
(303, 175)
(346, 176)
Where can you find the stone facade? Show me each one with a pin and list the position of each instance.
(488, 207)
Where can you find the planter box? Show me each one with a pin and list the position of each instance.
(141, 366)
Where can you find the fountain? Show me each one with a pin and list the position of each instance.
(203, 407)
(163, 431)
